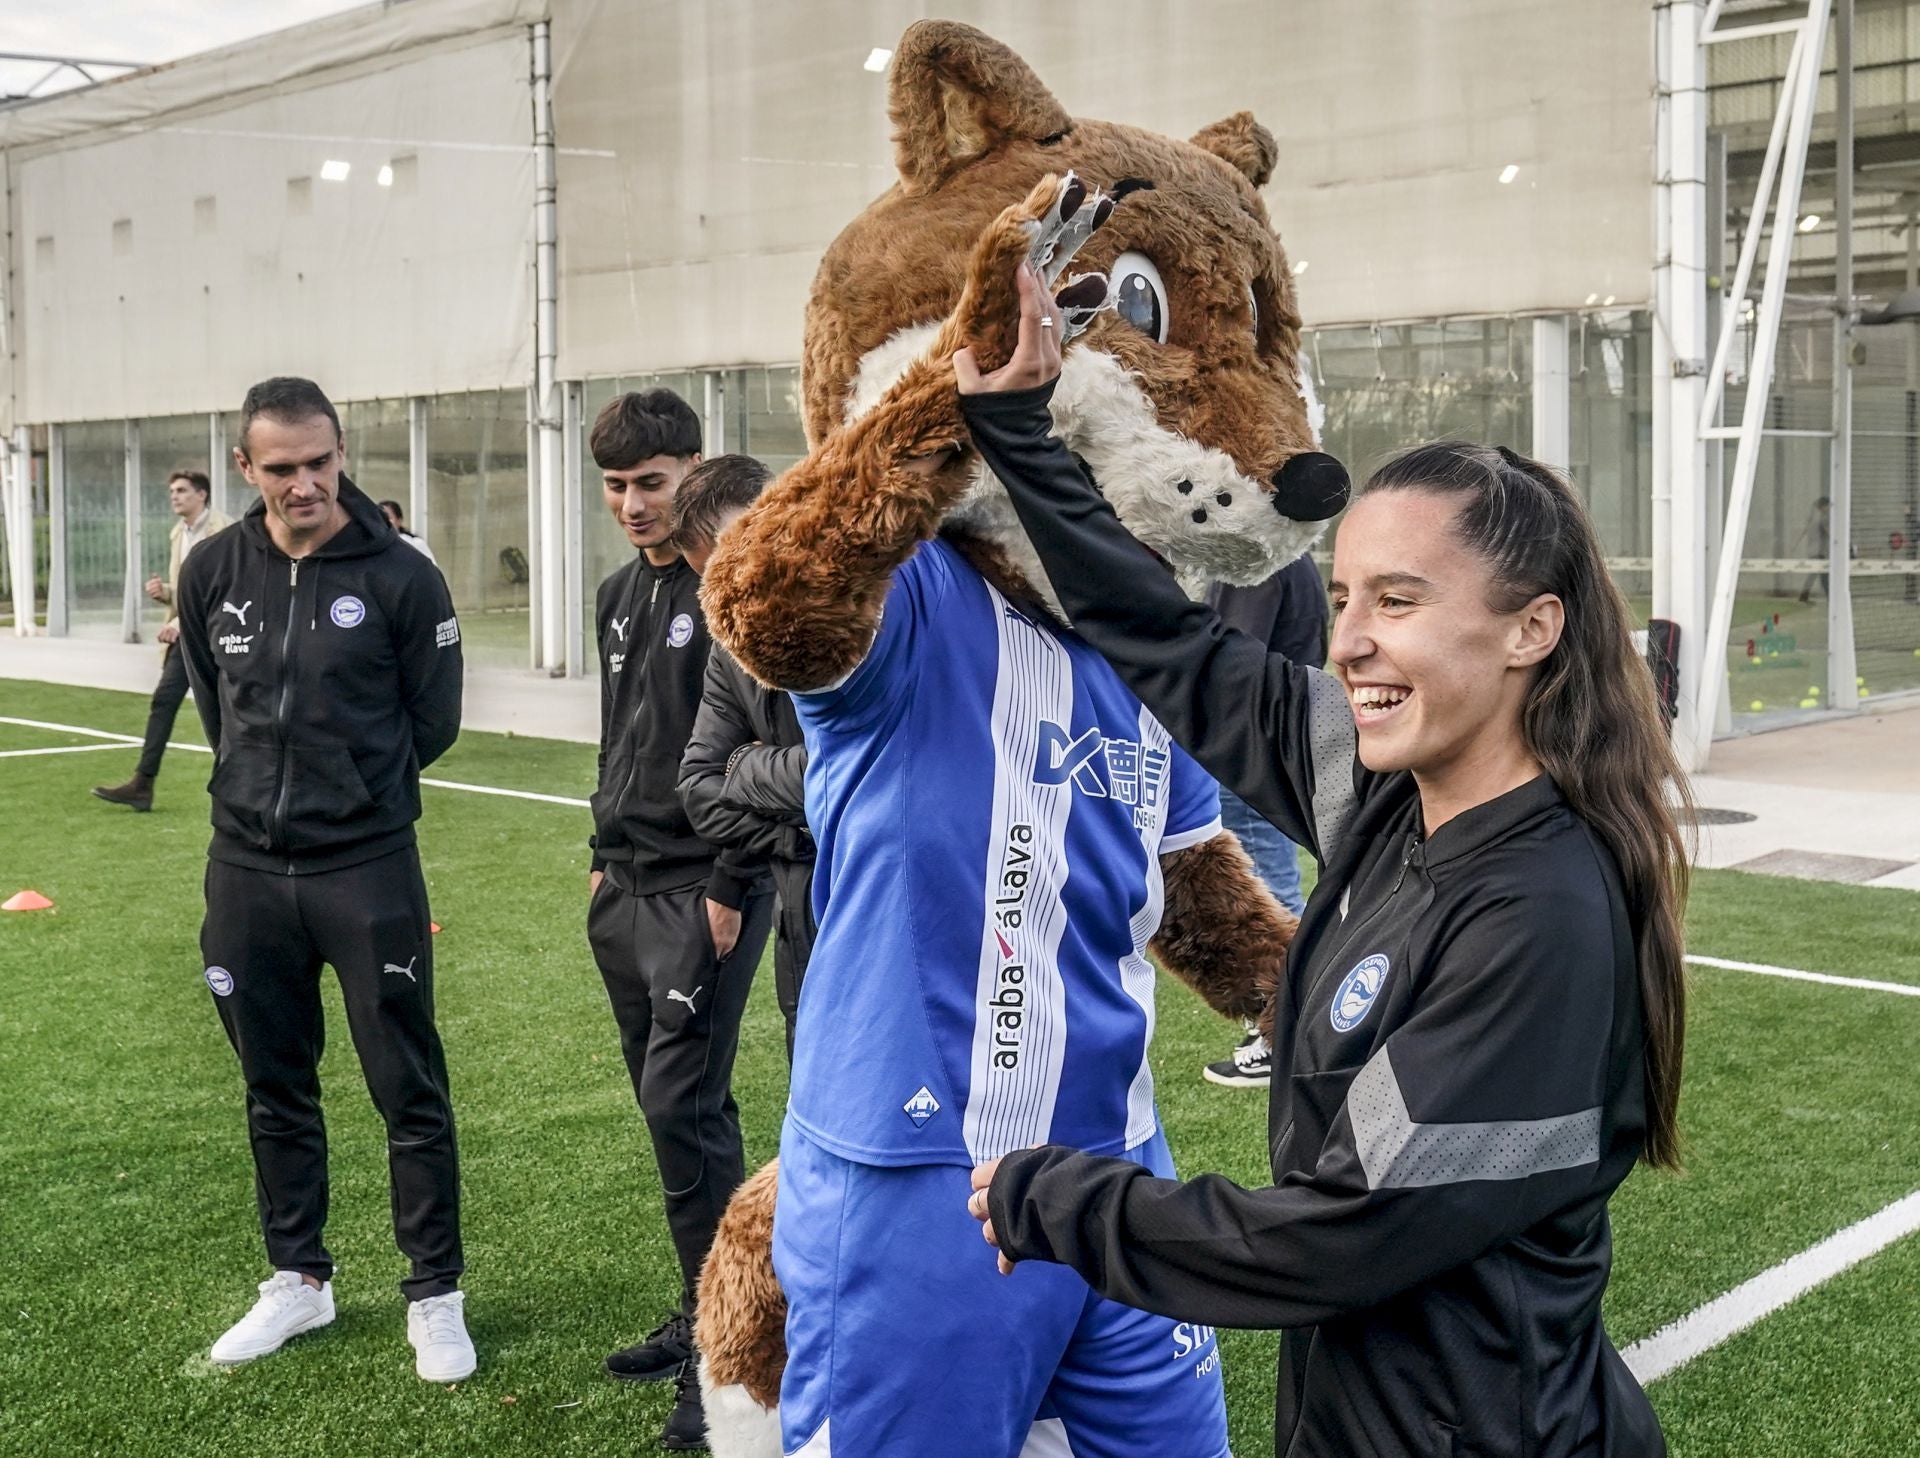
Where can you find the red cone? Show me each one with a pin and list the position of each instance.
(26, 901)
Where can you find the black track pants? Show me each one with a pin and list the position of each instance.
(167, 698)
(678, 1009)
(265, 938)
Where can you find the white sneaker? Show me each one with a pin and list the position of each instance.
(287, 1307)
(437, 1327)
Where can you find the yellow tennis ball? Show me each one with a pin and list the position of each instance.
(1756, 706)
(1809, 703)
(1813, 688)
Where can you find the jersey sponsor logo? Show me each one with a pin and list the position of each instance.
(221, 981)
(1358, 992)
(616, 662)
(1007, 1007)
(397, 970)
(619, 625)
(1123, 770)
(921, 1107)
(235, 643)
(239, 612)
(1189, 1337)
(347, 612)
(446, 634)
(680, 631)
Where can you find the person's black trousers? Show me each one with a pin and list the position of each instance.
(678, 1008)
(167, 698)
(264, 940)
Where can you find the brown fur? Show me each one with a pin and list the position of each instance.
(1222, 933)
(742, 1322)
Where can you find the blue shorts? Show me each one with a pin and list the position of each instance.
(904, 1339)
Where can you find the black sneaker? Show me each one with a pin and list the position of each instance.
(1251, 1065)
(660, 1356)
(686, 1428)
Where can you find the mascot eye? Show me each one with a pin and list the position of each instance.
(1138, 295)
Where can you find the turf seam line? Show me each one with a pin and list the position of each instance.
(1765, 970)
(1699, 1331)
(119, 739)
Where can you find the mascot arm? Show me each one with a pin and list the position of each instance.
(795, 588)
(1221, 931)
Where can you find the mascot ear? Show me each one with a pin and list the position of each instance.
(1243, 144)
(956, 95)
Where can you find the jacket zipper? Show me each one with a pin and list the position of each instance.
(1407, 858)
(633, 723)
(282, 715)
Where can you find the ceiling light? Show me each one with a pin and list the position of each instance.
(335, 171)
(1607, 302)
(1509, 172)
(878, 57)
(1592, 299)
(385, 179)
(1300, 268)
(1809, 222)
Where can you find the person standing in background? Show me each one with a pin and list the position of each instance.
(1288, 613)
(190, 494)
(398, 521)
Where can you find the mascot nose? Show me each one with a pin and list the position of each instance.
(1311, 487)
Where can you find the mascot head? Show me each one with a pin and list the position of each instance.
(1185, 397)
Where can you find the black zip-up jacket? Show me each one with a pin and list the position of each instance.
(653, 666)
(1459, 1084)
(325, 686)
(743, 776)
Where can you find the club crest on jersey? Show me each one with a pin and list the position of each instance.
(221, 981)
(679, 631)
(1358, 992)
(347, 612)
(921, 1107)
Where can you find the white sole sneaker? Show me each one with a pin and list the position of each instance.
(437, 1331)
(287, 1307)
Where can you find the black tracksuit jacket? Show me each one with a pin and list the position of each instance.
(653, 665)
(325, 686)
(1459, 1080)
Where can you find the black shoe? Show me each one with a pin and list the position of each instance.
(1251, 1065)
(686, 1428)
(665, 1351)
(135, 794)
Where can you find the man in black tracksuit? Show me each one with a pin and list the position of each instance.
(1461, 1082)
(325, 662)
(676, 928)
(743, 777)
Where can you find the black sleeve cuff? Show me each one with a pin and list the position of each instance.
(727, 887)
(1019, 1210)
(1013, 406)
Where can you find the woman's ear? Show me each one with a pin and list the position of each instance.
(1537, 630)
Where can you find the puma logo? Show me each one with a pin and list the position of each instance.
(619, 625)
(406, 971)
(675, 995)
(238, 612)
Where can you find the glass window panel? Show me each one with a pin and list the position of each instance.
(96, 489)
(772, 431)
(477, 518)
(167, 443)
(375, 433)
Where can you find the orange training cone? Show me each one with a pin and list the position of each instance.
(434, 927)
(26, 901)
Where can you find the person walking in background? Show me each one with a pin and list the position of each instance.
(326, 667)
(676, 928)
(398, 521)
(190, 494)
(1288, 613)
(743, 775)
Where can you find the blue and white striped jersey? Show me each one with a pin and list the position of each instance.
(990, 804)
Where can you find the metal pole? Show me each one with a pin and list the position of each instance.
(536, 555)
(1746, 459)
(1714, 463)
(1843, 690)
(130, 590)
(56, 532)
(574, 509)
(417, 504)
(550, 576)
(217, 467)
(19, 515)
(1552, 427)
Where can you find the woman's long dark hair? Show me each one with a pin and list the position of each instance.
(1590, 716)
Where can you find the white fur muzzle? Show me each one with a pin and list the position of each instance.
(1221, 528)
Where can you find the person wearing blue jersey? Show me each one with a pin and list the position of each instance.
(1003, 831)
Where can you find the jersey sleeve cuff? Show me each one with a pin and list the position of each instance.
(1179, 840)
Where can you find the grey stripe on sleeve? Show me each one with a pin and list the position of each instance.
(1331, 744)
(1398, 1154)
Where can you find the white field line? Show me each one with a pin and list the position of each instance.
(1725, 1316)
(119, 739)
(1765, 970)
(60, 749)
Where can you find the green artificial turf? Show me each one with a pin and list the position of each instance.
(128, 1237)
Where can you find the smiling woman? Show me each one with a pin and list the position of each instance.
(1482, 1012)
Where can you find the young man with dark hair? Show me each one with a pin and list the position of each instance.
(743, 775)
(325, 660)
(190, 494)
(676, 929)
(397, 519)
